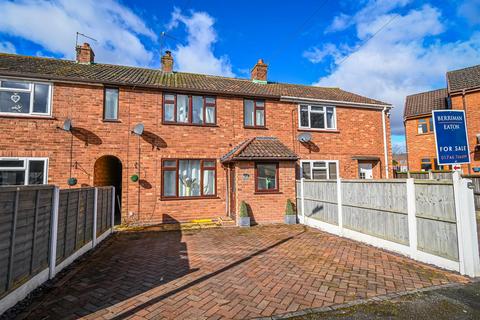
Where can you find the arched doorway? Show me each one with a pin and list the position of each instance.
(108, 172)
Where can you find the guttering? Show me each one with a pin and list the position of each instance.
(385, 148)
(336, 102)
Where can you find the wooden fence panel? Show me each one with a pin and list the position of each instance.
(436, 220)
(376, 208)
(25, 217)
(321, 200)
(104, 209)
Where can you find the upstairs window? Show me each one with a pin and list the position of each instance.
(319, 169)
(110, 106)
(425, 125)
(317, 117)
(24, 97)
(23, 171)
(254, 113)
(189, 109)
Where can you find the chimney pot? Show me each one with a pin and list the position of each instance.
(167, 62)
(85, 54)
(259, 72)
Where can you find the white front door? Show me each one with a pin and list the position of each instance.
(365, 170)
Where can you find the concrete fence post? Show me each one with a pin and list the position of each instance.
(95, 212)
(468, 253)
(302, 200)
(412, 219)
(53, 232)
(112, 221)
(339, 205)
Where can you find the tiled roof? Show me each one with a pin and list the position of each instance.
(425, 102)
(56, 69)
(467, 78)
(260, 148)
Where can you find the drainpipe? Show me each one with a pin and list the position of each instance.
(385, 147)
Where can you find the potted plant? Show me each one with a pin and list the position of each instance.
(244, 218)
(290, 214)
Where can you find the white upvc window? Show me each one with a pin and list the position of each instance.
(317, 117)
(27, 98)
(23, 171)
(319, 169)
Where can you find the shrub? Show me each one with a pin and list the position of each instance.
(289, 210)
(243, 210)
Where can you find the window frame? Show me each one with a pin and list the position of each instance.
(277, 177)
(255, 108)
(177, 178)
(190, 110)
(30, 90)
(337, 164)
(309, 127)
(26, 167)
(434, 164)
(428, 123)
(117, 119)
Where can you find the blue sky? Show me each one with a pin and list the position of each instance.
(324, 42)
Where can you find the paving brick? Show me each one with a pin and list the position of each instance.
(152, 280)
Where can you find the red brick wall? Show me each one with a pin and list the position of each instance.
(419, 146)
(359, 133)
(267, 207)
(472, 101)
(423, 145)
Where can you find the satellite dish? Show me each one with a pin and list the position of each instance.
(67, 125)
(304, 137)
(138, 129)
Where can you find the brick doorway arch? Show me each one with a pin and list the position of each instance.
(108, 172)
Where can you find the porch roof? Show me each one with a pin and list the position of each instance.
(260, 148)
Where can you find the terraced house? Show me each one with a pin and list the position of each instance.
(462, 93)
(180, 146)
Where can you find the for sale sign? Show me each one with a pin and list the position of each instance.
(451, 137)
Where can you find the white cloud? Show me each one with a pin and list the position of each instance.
(197, 55)
(340, 22)
(53, 24)
(316, 55)
(7, 47)
(404, 58)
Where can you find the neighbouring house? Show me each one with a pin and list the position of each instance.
(400, 163)
(462, 93)
(181, 146)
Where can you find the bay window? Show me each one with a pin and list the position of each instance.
(23, 171)
(319, 169)
(266, 177)
(24, 97)
(184, 178)
(254, 113)
(189, 109)
(317, 117)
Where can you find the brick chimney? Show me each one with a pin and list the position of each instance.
(167, 62)
(85, 54)
(259, 72)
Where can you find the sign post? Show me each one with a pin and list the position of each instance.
(451, 137)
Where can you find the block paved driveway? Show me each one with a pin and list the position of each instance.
(228, 273)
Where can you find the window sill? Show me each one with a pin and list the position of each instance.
(190, 124)
(34, 117)
(257, 128)
(319, 130)
(267, 192)
(424, 134)
(188, 198)
(111, 121)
